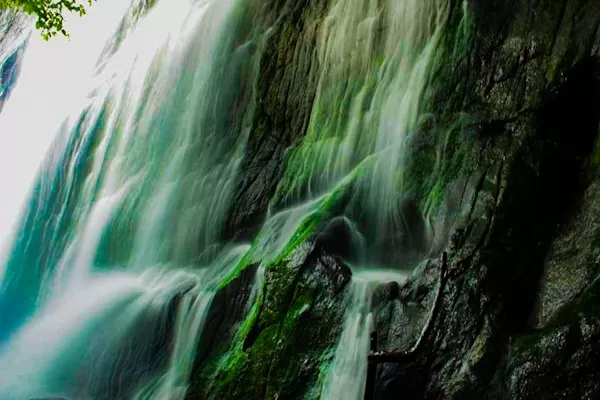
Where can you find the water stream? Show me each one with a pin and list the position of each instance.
(378, 59)
(112, 246)
(347, 376)
(120, 235)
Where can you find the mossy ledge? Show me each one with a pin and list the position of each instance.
(295, 318)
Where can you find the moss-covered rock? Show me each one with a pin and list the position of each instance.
(502, 168)
(297, 315)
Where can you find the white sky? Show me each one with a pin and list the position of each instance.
(54, 80)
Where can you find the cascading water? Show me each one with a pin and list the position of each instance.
(14, 30)
(120, 248)
(121, 235)
(377, 59)
(347, 376)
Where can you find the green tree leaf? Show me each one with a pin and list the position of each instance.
(49, 13)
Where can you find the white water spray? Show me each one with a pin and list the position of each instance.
(108, 241)
(346, 378)
(49, 90)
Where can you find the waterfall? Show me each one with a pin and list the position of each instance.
(121, 232)
(43, 96)
(346, 377)
(376, 63)
(377, 58)
(114, 247)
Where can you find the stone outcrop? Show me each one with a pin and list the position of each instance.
(517, 86)
(519, 318)
(276, 348)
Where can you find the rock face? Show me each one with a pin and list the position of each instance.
(284, 90)
(519, 316)
(277, 350)
(514, 200)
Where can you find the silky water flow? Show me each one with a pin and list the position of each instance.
(108, 275)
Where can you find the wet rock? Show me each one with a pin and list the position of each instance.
(513, 199)
(341, 238)
(283, 340)
(227, 310)
(385, 293)
(285, 86)
(530, 228)
(406, 241)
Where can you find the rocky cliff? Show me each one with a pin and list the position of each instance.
(518, 317)
(516, 91)
(501, 172)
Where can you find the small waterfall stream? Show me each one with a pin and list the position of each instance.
(377, 58)
(347, 376)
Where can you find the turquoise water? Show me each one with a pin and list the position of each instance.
(122, 168)
(117, 256)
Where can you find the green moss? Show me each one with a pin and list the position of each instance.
(270, 313)
(442, 150)
(270, 365)
(246, 371)
(595, 157)
(292, 358)
(434, 196)
(311, 222)
(285, 356)
(299, 306)
(438, 158)
(307, 331)
(320, 160)
(245, 262)
(326, 359)
(249, 322)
